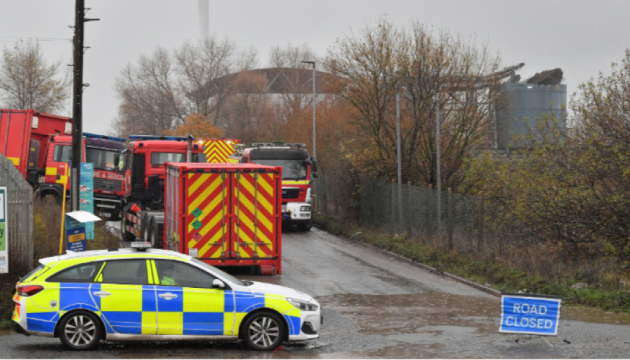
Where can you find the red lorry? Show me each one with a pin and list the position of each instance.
(25, 137)
(298, 171)
(143, 208)
(105, 153)
(40, 145)
(225, 214)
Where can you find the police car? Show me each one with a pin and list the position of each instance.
(151, 294)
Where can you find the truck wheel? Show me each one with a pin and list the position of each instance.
(124, 234)
(154, 234)
(146, 229)
(264, 331)
(305, 227)
(80, 331)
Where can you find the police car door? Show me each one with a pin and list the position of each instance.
(127, 302)
(187, 302)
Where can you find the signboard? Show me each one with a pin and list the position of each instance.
(86, 195)
(530, 314)
(4, 247)
(75, 234)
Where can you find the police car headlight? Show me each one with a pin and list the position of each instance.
(305, 208)
(302, 305)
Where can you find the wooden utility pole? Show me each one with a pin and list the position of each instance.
(77, 101)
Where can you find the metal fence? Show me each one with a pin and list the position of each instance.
(19, 212)
(446, 219)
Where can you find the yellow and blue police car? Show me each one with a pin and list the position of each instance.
(127, 294)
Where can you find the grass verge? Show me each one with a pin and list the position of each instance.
(499, 275)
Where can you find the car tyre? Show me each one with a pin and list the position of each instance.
(264, 331)
(80, 330)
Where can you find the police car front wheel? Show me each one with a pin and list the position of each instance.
(264, 331)
(80, 330)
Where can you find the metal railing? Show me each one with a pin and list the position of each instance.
(19, 212)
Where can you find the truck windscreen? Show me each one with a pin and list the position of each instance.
(105, 159)
(159, 158)
(291, 169)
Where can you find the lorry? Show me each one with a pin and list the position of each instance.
(298, 170)
(225, 214)
(144, 172)
(40, 146)
(105, 153)
(25, 137)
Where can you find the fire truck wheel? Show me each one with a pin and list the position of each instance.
(154, 236)
(305, 227)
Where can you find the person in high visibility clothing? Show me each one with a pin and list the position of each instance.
(166, 271)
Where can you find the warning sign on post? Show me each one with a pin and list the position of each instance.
(530, 314)
(4, 247)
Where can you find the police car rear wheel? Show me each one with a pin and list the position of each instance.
(80, 331)
(264, 331)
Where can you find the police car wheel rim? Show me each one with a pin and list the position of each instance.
(264, 332)
(80, 330)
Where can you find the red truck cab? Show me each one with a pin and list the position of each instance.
(298, 170)
(145, 159)
(24, 139)
(105, 153)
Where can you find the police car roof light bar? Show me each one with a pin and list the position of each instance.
(140, 245)
(155, 137)
(96, 136)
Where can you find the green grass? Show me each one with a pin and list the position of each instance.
(5, 324)
(500, 275)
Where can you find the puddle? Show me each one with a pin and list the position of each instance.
(594, 316)
(4, 332)
(404, 314)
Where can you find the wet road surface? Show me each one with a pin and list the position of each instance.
(377, 306)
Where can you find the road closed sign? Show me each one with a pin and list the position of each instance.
(529, 314)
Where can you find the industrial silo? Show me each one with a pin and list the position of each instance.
(530, 101)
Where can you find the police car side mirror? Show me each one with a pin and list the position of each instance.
(218, 284)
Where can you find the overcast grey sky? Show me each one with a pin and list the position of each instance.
(581, 37)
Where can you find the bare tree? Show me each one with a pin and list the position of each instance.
(199, 68)
(382, 60)
(457, 70)
(161, 90)
(28, 81)
(149, 100)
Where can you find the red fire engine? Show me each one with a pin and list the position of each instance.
(225, 214)
(298, 170)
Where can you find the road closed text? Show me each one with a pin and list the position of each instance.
(529, 315)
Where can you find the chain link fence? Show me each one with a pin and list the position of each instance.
(19, 213)
(451, 221)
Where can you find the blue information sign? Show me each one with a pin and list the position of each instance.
(530, 314)
(86, 195)
(75, 235)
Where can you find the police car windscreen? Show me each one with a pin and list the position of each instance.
(291, 169)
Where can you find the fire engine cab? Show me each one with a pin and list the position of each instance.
(298, 170)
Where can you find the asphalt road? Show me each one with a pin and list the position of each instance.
(377, 306)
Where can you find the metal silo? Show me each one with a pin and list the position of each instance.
(528, 101)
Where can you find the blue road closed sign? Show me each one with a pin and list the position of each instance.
(530, 314)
